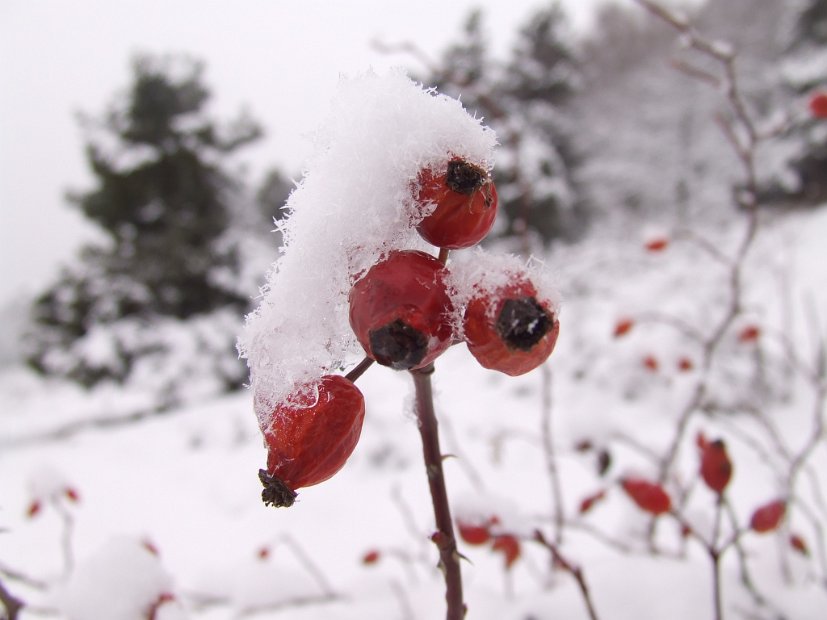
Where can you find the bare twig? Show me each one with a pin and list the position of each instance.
(10, 603)
(462, 458)
(358, 370)
(575, 572)
(309, 565)
(14, 575)
(550, 456)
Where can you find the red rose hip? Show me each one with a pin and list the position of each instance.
(400, 310)
(818, 105)
(509, 329)
(466, 205)
(310, 437)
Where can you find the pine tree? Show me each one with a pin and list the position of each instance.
(524, 100)
(163, 196)
(803, 177)
(538, 83)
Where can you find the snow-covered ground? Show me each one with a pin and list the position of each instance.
(184, 484)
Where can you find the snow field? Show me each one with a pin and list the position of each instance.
(187, 482)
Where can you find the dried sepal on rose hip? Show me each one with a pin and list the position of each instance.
(310, 437)
(400, 310)
(510, 328)
(464, 202)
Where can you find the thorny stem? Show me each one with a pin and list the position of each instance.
(444, 536)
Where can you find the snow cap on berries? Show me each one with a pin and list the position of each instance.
(477, 273)
(353, 205)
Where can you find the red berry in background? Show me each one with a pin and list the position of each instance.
(768, 517)
(797, 543)
(623, 327)
(685, 364)
(749, 333)
(716, 468)
(647, 495)
(650, 363)
(371, 557)
(150, 546)
(163, 598)
(400, 310)
(588, 502)
(818, 105)
(71, 494)
(466, 205)
(474, 533)
(509, 546)
(656, 244)
(510, 329)
(310, 437)
(34, 509)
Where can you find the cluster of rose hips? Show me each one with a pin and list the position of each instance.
(401, 312)
(481, 532)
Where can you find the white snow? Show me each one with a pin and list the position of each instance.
(354, 204)
(122, 580)
(187, 480)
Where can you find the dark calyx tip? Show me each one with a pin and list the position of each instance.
(398, 345)
(523, 322)
(276, 493)
(464, 178)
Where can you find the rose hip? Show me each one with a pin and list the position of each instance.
(310, 437)
(466, 205)
(510, 329)
(400, 310)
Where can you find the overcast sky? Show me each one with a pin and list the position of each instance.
(280, 58)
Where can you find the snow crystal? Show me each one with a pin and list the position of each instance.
(354, 204)
(478, 272)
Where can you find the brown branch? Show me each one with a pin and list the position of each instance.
(11, 604)
(575, 572)
(696, 73)
(358, 370)
(309, 565)
(26, 580)
(444, 537)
